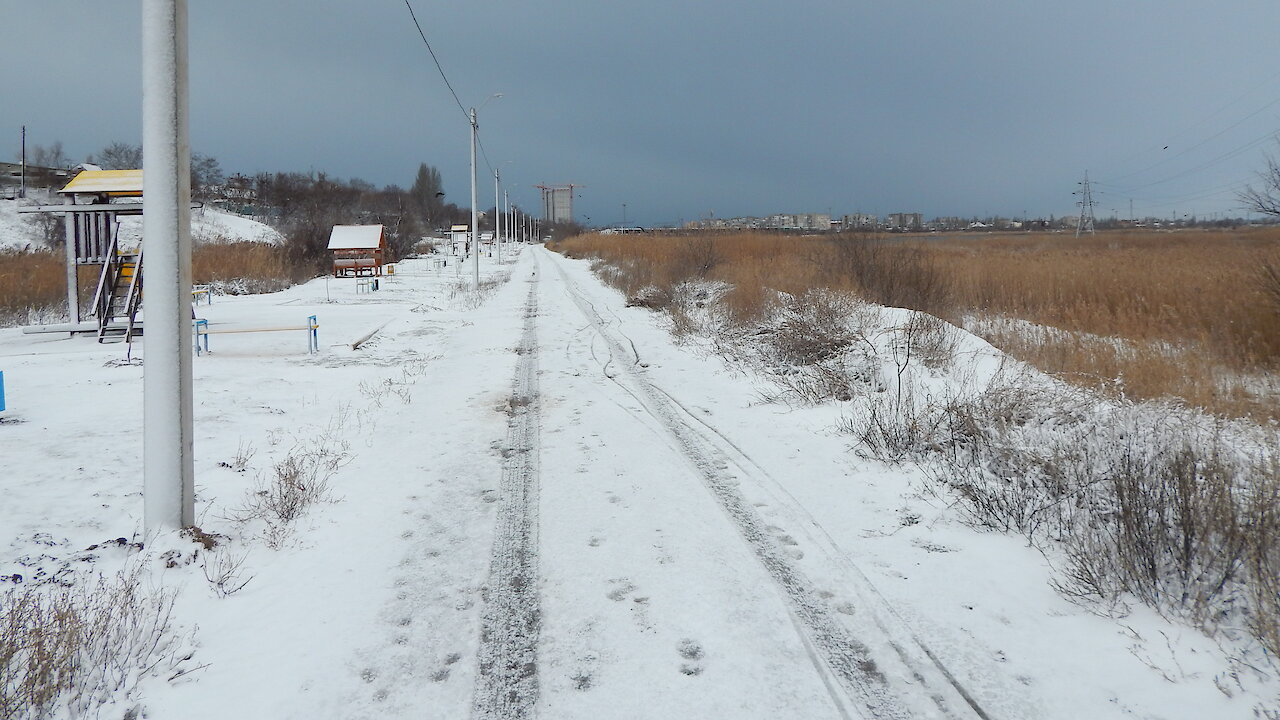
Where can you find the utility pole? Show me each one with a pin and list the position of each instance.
(506, 211)
(475, 235)
(1085, 224)
(497, 216)
(22, 190)
(168, 472)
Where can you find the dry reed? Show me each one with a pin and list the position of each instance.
(1193, 315)
(33, 286)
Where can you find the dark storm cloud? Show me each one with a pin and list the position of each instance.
(681, 109)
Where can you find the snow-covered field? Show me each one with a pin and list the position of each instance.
(208, 224)
(542, 505)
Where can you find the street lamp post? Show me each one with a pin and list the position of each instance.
(497, 216)
(475, 236)
(475, 231)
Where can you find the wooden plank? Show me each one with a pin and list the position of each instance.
(119, 209)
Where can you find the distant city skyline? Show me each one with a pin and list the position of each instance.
(678, 110)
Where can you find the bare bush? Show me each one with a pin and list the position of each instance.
(894, 426)
(1179, 528)
(815, 347)
(816, 326)
(1145, 501)
(931, 339)
(891, 273)
(1269, 281)
(293, 486)
(224, 571)
(651, 297)
(699, 256)
(469, 297)
(67, 651)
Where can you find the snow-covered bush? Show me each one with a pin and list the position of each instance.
(65, 651)
(294, 484)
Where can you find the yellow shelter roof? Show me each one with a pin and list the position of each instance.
(112, 183)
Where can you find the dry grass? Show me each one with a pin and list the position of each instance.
(245, 267)
(1195, 312)
(1193, 315)
(65, 652)
(33, 286)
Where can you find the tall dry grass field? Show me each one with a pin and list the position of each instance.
(1192, 314)
(246, 267)
(1189, 314)
(33, 285)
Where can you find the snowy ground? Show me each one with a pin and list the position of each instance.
(551, 509)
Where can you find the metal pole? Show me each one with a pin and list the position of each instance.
(497, 216)
(475, 234)
(168, 471)
(506, 211)
(22, 191)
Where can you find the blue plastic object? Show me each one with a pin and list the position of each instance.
(1, 391)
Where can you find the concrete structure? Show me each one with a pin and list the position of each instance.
(557, 202)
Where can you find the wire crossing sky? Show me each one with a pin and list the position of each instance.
(684, 110)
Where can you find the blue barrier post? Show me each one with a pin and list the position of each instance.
(202, 331)
(1, 391)
(313, 335)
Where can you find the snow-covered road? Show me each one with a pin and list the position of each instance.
(553, 510)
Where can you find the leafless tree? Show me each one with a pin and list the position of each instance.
(118, 156)
(1266, 198)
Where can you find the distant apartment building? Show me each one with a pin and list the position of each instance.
(951, 222)
(814, 222)
(799, 221)
(905, 221)
(859, 221)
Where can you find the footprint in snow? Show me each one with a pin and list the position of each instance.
(692, 652)
(623, 589)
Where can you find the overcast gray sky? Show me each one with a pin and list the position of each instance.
(682, 108)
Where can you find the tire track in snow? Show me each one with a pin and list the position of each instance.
(848, 659)
(507, 677)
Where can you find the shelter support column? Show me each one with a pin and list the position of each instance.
(73, 267)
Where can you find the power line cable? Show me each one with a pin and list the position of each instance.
(1188, 129)
(1208, 163)
(437, 60)
(483, 153)
(1212, 137)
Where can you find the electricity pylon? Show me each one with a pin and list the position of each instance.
(1085, 224)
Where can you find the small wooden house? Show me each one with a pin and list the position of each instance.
(460, 236)
(358, 250)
